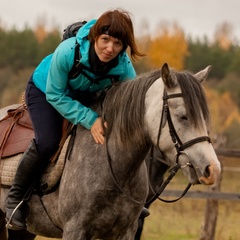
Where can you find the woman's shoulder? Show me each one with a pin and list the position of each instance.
(65, 50)
(67, 44)
(84, 31)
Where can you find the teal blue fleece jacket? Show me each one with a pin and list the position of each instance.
(51, 77)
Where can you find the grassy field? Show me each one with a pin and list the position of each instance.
(182, 220)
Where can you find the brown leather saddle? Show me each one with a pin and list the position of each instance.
(16, 132)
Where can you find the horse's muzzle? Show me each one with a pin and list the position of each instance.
(210, 175)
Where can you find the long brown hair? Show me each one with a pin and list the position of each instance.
(117, 23)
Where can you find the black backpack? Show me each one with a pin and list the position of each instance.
(77, 68)
(71, 30)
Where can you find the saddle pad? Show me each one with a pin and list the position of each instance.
(50, 177)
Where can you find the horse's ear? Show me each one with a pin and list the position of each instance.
(202, 75)
(168, 78)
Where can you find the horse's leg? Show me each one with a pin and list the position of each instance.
(20, 235)
(158, 169)
(140, 225)
(73, 231)
(3, 230)
(140, 229)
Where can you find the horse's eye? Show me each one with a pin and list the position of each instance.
(184, 117)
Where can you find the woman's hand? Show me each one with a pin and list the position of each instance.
(97, 131)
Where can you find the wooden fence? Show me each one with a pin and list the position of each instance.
(203, 194)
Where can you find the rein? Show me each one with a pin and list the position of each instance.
(179, 146)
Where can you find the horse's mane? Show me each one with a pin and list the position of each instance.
(124, 108)
(194, 98)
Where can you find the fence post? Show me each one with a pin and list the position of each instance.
(211, 213)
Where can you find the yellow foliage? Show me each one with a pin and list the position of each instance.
(224, 111)
(40, 33)
(169, 46)
(224, 35)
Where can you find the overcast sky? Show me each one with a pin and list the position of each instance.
(195, 17)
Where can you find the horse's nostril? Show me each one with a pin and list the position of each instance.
(207, 173)
(208, 177)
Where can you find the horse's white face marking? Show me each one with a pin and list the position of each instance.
(205, 165)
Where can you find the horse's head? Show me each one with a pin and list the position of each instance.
(181, 129)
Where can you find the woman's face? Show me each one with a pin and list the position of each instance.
(107, 47)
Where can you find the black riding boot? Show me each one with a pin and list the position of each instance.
(22, 187)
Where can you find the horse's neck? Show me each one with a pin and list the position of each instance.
(128, 159)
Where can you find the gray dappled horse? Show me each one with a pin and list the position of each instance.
(104, 187)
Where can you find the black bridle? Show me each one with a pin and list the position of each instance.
(175, 138)
(179, 146)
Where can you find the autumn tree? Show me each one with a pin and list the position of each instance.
(224, 35)
(168, 46)
(143, 42)
(48, 39)
(225, 114)
(230, 84)
(40, 30)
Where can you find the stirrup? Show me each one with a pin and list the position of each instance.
(9, 224)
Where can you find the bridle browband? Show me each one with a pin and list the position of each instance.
(179, 146)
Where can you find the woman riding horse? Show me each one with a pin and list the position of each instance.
(49, 97)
